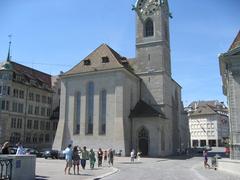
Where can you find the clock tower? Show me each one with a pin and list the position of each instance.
(153, 62)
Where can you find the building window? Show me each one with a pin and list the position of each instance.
(29, 124)
(19, 123)
(15, 137)
(21, 94)
(31, 96)
(54, 127)
(20, 108)
(36, 110)
(35, 125)
(48, 112)
(37, 98)
(49, 100)
(47, 125)
(30, 109)
(42, 124)
(44, 99)
(28, 138)
(40, 140)
(13, 122)
(90, 108)
(102, 112)
(105, 59)
(14, 107)
(4, 105)
(47, 138)
(78, 113)
(148, 28)
(43, 111)
(87, 62)
(15, 93)
(34, 138)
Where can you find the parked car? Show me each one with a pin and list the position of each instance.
(61, 155)
(12, 150)
(50, 154)
(33, 152)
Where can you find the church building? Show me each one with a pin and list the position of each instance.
(110, 101)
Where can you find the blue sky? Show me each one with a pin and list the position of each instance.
(54, 35)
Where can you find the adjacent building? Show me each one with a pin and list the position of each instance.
(26, 105)
(230, 72)
(208, 123)
(110, 101)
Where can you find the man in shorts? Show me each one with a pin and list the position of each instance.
(68, 156)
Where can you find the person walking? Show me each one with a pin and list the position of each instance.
(205, 155)
(68, 157)
(76, 159)
(105, 156)
(5, 147)
(110, 157)
(100, 157)
(132, 155)
(85, 157)
(20, 149)
(92, 158)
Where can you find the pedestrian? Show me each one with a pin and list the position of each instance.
(85, 156)
(205, 155)
(105, 156)
(68, 157)
(76, 159)
(138, 156)
(5, 147)
(110, 157)
(20, 149)
(132, 155)
(100, 157)
(92, 158)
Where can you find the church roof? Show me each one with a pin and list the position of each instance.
(142, 109)
(236, 42)
(102, 58)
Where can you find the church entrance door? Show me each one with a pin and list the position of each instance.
(143, 141)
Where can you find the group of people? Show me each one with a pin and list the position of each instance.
(76, 156)
(5, 148)
(134, 156)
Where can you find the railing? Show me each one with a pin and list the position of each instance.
(5, 168)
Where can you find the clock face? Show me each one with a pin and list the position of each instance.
(148, 7)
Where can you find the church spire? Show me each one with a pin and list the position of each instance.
(9, 48)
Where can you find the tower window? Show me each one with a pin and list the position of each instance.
(148, 29)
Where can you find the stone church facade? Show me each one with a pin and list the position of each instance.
(110, 101)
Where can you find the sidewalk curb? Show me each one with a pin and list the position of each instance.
(115, 170)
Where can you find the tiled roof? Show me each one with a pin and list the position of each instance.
(203, 110)
(24, 74)
(31, 73)
(236, 42)
(96, 64)
(142, 109)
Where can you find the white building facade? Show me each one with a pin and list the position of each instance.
(208, 123)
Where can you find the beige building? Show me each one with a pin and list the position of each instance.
(208, 123)
(26, 106)
(110, 101)
(230, 72)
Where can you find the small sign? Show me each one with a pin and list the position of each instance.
(18, 163)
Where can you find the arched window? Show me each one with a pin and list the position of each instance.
(76, 123)
(102, 112)
(90, 106)
(148, 28)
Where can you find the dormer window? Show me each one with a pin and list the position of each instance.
(87, 62)
(105, 59)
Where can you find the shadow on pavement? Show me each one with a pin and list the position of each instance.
(41, 177)
(130, 163)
